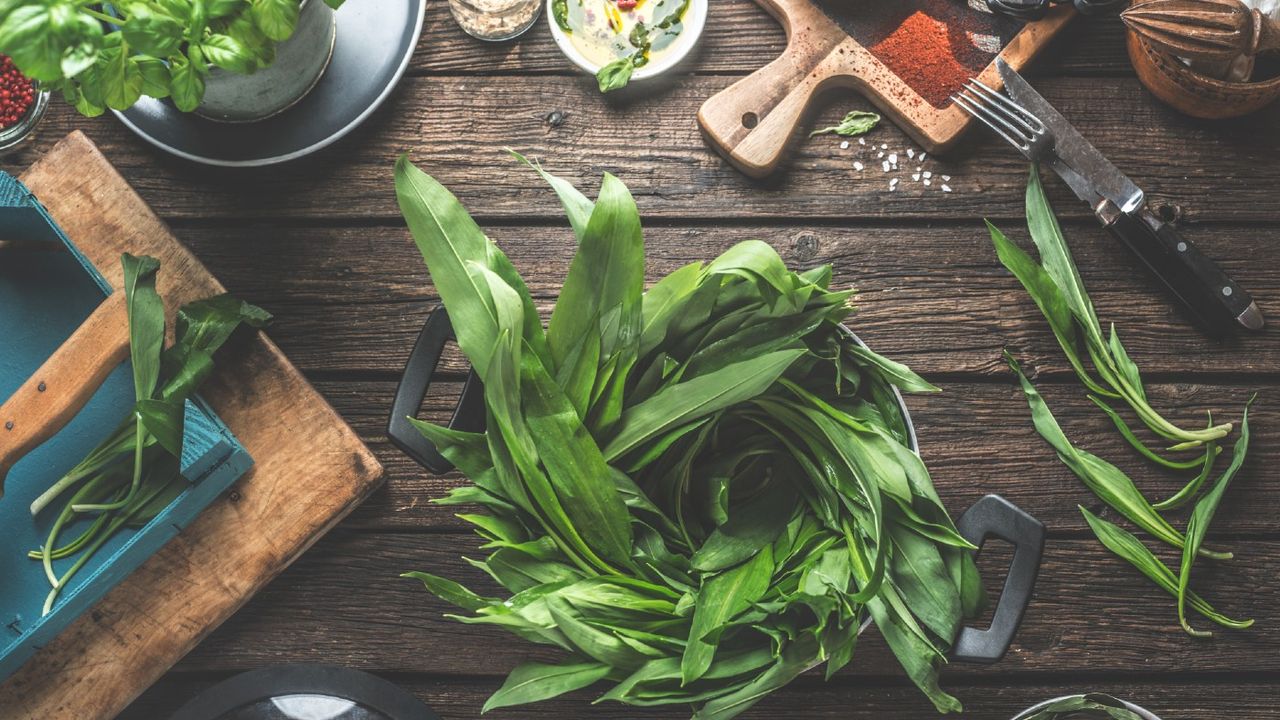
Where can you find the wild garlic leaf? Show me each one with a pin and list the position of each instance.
(532, 681)
(1202, 517)
(146, 322)
(697, 398)
(1129, 548)
(721, 598)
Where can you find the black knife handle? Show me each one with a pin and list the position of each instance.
(1216, 302)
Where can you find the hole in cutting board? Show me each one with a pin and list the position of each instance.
(750, 120)
(932, 45)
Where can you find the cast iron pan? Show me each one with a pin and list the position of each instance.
(375, 40)
(992, 516)
(301, 692)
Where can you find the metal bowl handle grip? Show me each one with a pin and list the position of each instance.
(995, 516)
(468, 415)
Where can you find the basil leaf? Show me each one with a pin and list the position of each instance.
(228, 53)
(857, 122)
(185, 83)
(276, 18)
(152, 32)
(616, 74)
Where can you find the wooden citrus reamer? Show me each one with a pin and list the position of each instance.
(1213, 30)
(753, 121)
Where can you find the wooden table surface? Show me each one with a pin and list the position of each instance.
(321, 244)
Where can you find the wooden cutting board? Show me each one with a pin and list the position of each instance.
(834, 43)
(311, 470)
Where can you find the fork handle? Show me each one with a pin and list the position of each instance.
(1213, 299)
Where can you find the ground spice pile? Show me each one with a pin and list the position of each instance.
(17, 92)
(932, 56)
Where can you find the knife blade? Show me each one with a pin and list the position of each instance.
(1209, 296)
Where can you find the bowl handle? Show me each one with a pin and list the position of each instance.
(995, 516)
(468, 416)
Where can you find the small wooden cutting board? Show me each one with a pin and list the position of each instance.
(311, 470)
(754, 121)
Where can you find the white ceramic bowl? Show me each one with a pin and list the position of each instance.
(695, 19)
(1142, 712)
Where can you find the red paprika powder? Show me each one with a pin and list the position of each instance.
(17, 93)
(934, 53)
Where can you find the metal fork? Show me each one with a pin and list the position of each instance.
(1017, 125)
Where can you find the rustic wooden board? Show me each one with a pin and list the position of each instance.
(935, 296)
(842, 699)
(311, 471)
(966, 457)
(457, 127)
(1091, 613)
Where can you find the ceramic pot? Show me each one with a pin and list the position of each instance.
(299, 63)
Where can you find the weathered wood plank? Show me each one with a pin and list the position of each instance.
(843, 698)
(354, 299)
(457, 126)
(976, 439)
(740, 38)
(1091, 614)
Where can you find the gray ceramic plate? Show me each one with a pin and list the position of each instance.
(375, 40)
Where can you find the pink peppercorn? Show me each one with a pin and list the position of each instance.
(627, 4)
(17, 93)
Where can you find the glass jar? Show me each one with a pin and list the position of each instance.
(495, 20)
(20, 133)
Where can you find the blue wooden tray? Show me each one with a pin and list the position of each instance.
(44, 297)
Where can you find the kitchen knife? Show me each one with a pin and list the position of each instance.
(50, 398)
(1213, 299)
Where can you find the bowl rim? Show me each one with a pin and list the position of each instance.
(1145, 713)
(697, 21)
(1182, 71)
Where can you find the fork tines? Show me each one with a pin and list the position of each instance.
(1009, 120)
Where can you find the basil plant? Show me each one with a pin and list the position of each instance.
(108, 55)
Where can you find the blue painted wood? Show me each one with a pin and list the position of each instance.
(44, 296)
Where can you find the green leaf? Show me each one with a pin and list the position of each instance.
(1129, 548)
(574, 465)
(164, 420)
(185, 84)
(155, 77)
(616, 74)
(532, 681)
(151, 31)
(751, 526)
(146, 322)
(720, 599)
(892, 371)
(697, 398)
(577, 207)
(276, 18)
(857, 122)
(121, 77)
(228, 53)
(29, 35)
(1202, 517)
(1056, 256)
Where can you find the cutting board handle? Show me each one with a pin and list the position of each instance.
(64, 384)
(753, 121)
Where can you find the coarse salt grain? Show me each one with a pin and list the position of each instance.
(928, 182)
(923, 156)
(946, 187)
(862, 141)
(911, 153)
(857, 165)
(915, 177)
(884, 146)
(928, 174)
(885, 165)
(879, 156)
(947, 178)
(893, 184)
(893, 158)
(844, 145)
